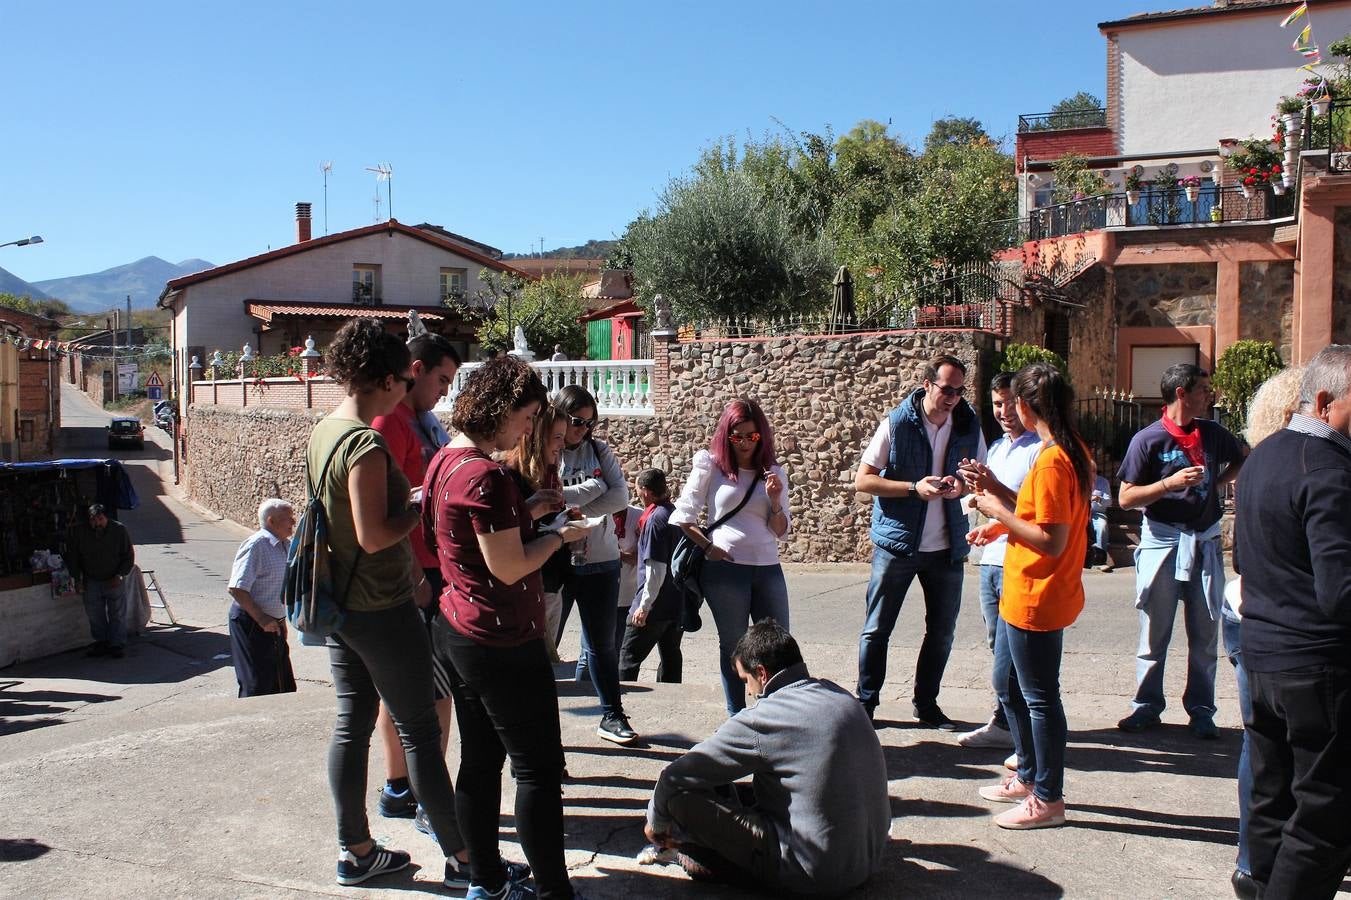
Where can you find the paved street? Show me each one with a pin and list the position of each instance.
(147, 777)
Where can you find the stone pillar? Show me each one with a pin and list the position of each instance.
(664, 342)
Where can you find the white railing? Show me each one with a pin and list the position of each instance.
(622, 387)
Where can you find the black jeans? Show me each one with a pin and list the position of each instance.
(1299, 824)
(262, 660)
(638, 643)
(386, 655)
(506, 704)
(737, 844)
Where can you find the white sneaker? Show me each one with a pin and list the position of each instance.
(988, 735)
(652, 855)
(1012, 762)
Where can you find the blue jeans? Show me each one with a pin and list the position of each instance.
(1098, 525)
(991, 589)
(1156, 630)
(1027, 679)
(941, 578)
(738, 595)
(1231, 627)
(106, 607)
(596, 595)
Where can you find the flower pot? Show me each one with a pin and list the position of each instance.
(1193, 193)
(1216, 214)
(1322, 106)
(1291, 122)
(1132, 197)
(1227, 146)
(1248, 191)
(1288, 178)
(1278, 188)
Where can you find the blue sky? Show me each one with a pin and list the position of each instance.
(190, 130)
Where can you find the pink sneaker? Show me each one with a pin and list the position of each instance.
(1011, 763)
(1010, 790)
(1033, 813)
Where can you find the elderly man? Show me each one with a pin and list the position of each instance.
(257, 615)
(99, 556)
(820, 814)
(1293, 547)
(1173, 470)
(918, 529)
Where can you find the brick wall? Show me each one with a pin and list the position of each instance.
(1050, 145)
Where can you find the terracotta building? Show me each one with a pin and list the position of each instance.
(30, 393)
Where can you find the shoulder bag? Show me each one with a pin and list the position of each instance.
(687, 563)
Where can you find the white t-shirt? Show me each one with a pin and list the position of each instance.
(628, 571)
(1009, 461)
(878, 455)
(746, 536)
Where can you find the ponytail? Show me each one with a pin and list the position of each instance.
(1049, 395)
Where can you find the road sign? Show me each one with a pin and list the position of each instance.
(154, 392)
(154, 381)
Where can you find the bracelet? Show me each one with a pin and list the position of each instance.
(776, 512)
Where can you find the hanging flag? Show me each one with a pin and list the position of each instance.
(1300, 10)
(1311, 54)
(1302, 42)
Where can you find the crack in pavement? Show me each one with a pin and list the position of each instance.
(600, 847)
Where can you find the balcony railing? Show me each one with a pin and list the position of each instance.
(1214, 205)
(1060, 121)
(622, 387)
(1331, 132)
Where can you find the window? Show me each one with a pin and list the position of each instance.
(453, 283)
(365, 284)
(1149, 363)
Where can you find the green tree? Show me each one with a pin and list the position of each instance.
(26, 304)
(546, 309)
(1015, 356)
(1240, 371)
(959, 130)
(1074, 180)
(1082, 110)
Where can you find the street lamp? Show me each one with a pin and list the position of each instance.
(23, 242)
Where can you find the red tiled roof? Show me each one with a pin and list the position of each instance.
(264, 310)
(392, 226)
(550, 265)
(613, 311)
(1234, 6)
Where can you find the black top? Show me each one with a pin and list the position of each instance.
(1292, 544)
(656, 542)
(1153, 455)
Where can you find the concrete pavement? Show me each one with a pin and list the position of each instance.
(147, 777)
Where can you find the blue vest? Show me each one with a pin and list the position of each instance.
(898, 522)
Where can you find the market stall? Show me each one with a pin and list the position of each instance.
(39, 503)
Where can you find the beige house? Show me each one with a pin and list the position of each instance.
(275, 300)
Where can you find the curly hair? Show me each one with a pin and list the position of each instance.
(363, 354)
(495, 389)
(1270, 408)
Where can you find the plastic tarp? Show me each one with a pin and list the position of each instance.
(114, 485)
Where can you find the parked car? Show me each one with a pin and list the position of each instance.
(164, 414)
(126, 432)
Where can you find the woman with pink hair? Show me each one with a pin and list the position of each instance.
(742, 579)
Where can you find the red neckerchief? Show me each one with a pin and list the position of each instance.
(1188, 441)
(642, 520)
(621, 518)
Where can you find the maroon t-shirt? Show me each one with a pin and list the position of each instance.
(475, 495)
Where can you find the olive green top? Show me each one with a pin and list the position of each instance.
(382, 580)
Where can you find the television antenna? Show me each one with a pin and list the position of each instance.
(327, 169)
(383, 172)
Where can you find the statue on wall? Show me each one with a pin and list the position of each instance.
(518, 342)
(661, 311)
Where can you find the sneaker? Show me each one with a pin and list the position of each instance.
(652, 855)
(1033, 812)
(421, 822)
(508, 891)
(354, 870)
(1139, 720)
(1010, 790)
(988, 735)
(98, 648)
(1203, 726)
(615, 727)
(397, 806)
(457, 874)
(1011, 763)
(935, 718)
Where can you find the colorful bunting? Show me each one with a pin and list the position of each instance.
(1300, 10)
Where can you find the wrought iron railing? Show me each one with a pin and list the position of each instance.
(1059, 121)
(1330, 131)
(1108, 420)
(1213, 205)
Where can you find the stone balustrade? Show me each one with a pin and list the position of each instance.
(622, 387)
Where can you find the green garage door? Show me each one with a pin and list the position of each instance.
(598, 339)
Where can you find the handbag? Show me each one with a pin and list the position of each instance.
(687, 564)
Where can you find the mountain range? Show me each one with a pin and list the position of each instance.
(142, 280)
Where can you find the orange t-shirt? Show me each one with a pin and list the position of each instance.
(1046, 593)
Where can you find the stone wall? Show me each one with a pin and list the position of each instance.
(824, 396)
(1166, 295)
(1267, 303)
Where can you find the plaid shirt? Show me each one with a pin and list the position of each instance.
(260, 569)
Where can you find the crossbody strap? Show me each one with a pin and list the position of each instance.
(323, 474)
(744, 500)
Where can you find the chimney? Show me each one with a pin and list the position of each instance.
(302, 222)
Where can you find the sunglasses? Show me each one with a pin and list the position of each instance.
(577, 422)
(950, 391)
(753, 437)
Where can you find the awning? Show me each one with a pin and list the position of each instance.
(265, 311)
(114, 486)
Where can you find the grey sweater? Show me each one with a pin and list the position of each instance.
(819, 777)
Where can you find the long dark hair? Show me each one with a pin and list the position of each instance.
(1042, 387)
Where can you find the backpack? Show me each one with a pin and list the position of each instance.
(312, 606)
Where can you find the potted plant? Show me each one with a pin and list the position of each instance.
(1253, 160)
(1133, 185)
(1192, 186)
(1291, 111)
(1227, 146)
(1253, 179)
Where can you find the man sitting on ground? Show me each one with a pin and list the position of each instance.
(819, 819)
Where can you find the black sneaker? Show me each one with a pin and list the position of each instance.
(935, 718)
(397, 806)
(421, 823)
(615, 727)
(457, 873)
(1139, 720)
(98, 648)
(354, 870)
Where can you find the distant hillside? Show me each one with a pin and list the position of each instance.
(143, 280)
(589, 250)
(13, 284)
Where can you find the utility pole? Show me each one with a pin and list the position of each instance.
(117, 314)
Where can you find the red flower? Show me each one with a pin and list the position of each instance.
(1254, 171)
(1250, 181)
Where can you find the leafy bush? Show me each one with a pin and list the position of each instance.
(1240, 372)
(1015, 356)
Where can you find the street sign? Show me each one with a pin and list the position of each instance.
(154, 391)
(154, 380)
